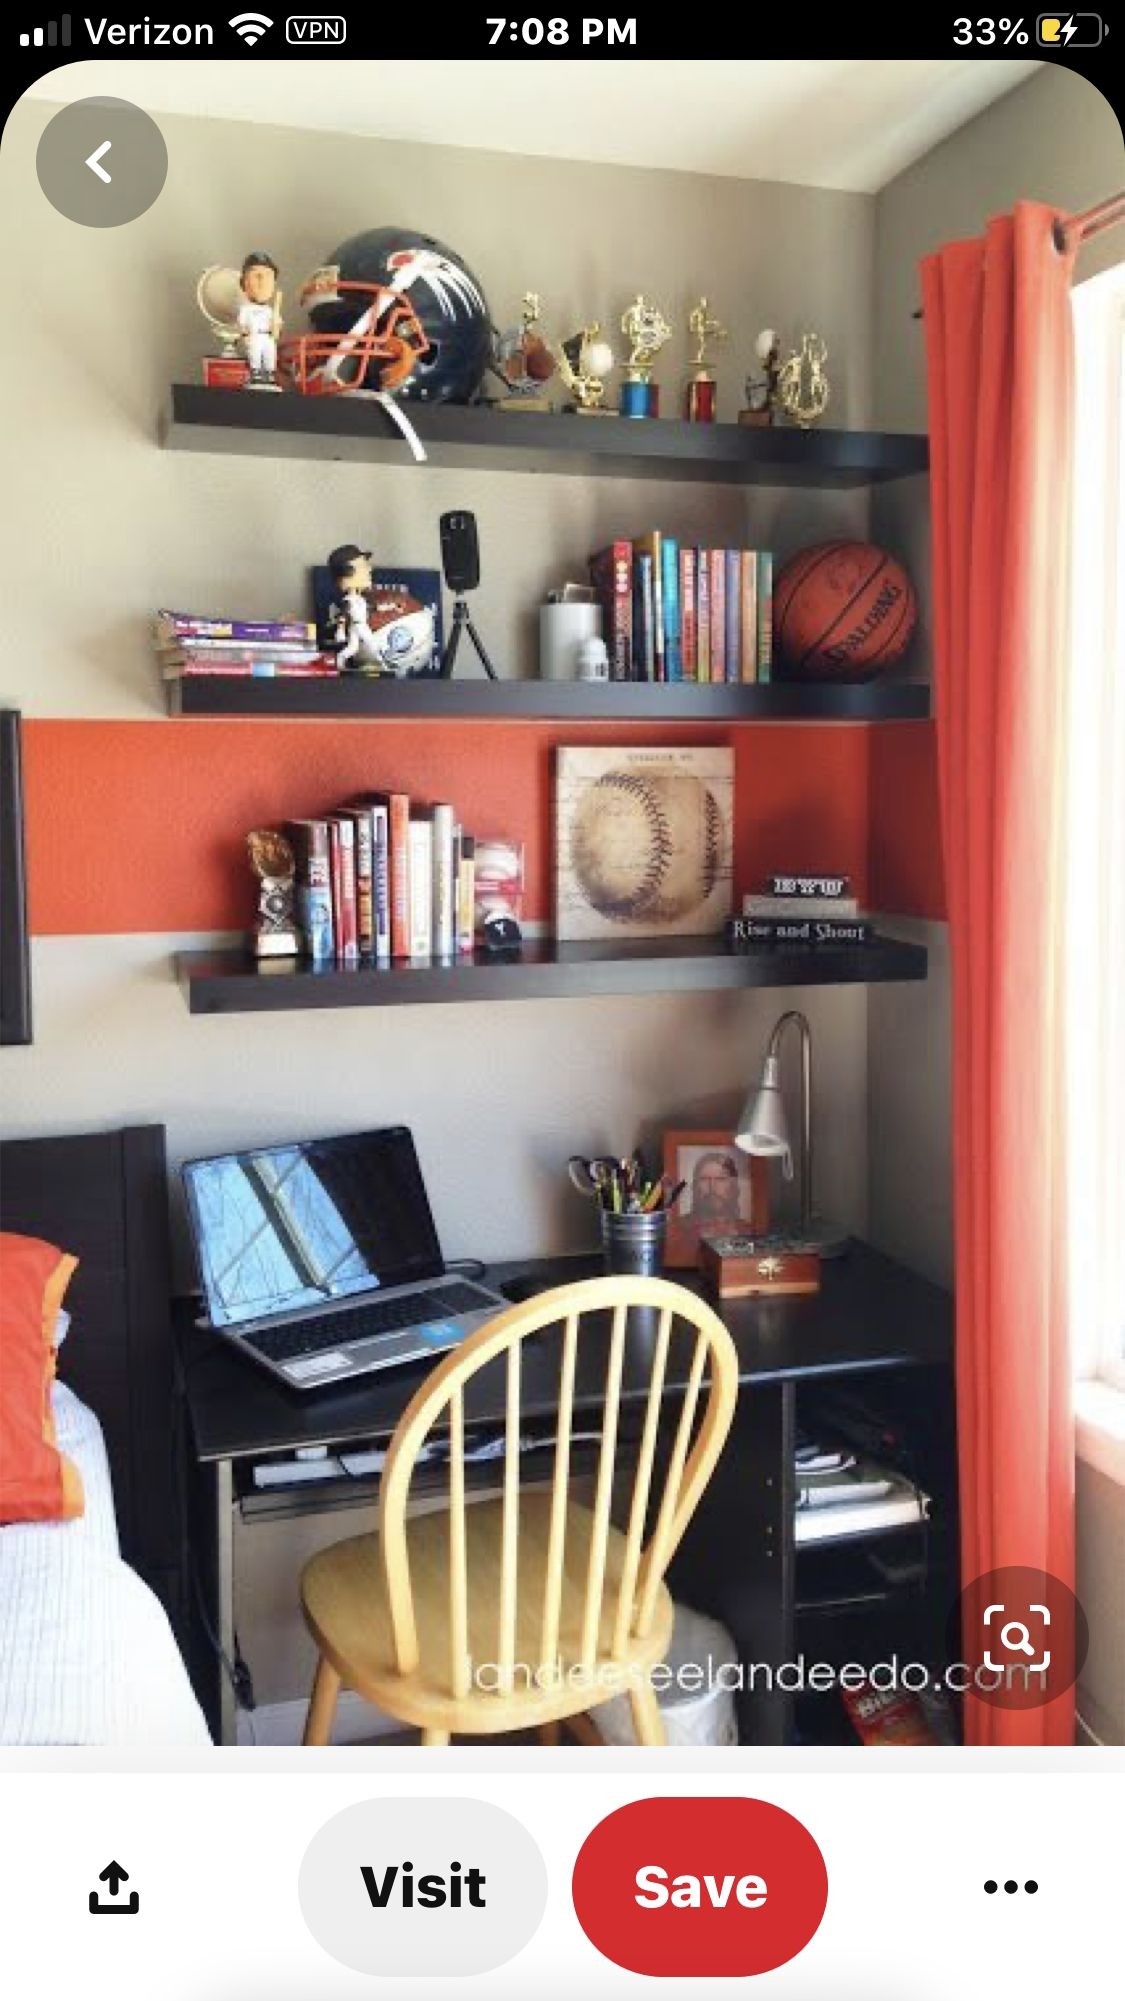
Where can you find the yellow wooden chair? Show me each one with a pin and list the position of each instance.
(519, 1611)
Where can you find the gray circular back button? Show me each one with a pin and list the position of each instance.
(423, 1886)
(102, 162)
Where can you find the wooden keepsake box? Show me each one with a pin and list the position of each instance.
(750, 1267)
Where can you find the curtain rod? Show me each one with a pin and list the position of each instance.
(1091, 222)
(1077, 228)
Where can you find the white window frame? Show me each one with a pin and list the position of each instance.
(1095, 1041)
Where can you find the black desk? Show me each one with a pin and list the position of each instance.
(871, 1314)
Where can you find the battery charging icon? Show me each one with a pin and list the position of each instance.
(1069, 31)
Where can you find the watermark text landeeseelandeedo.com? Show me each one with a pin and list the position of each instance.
(796, 1677)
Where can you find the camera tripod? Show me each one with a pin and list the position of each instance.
(463, 621)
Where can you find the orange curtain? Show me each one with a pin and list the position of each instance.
(999, 366)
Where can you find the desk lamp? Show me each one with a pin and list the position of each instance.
(763, 1130)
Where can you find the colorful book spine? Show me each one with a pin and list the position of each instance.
(670, 593)
(702, 615)
(611, 573)
(360, 817)
(717, 564)
(466, 894)
(250, 649)
(748, 622)
(399, 833)
(732, 586)
(321, 669)
(314, 887)
(381, 876)
(648, 617)
(444, 911)
(420, 874)
(765, 615)
(342, 837)
(688, 653)
(649, 546)
(187, 624)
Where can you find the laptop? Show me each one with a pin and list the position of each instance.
(320, 1260)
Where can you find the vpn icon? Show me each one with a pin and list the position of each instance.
(250, 27)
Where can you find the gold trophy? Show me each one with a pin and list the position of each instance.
(647, 330)
(523, 360)
(802, 384)
(699, 403)
(274, 864)
(584, 361)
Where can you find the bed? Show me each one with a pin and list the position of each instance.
(88, 1654)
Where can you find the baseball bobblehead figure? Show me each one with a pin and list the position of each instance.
(350, 570)
(259, 319)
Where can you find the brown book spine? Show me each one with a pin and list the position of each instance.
(342, 837)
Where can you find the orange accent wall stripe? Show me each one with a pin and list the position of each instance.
(140, 826)
(906, 872)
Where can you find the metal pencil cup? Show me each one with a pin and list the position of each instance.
(634, 1243)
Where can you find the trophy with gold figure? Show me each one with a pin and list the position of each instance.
(699, 403)
(584, 362)
(803, 384)
(646, 330)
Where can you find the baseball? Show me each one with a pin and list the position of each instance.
(647, 845)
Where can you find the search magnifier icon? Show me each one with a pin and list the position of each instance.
(1022, 1643)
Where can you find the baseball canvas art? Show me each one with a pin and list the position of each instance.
(643, 842)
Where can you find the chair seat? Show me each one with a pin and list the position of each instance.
(343, 1592)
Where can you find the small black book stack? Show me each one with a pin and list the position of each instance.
(804, 910)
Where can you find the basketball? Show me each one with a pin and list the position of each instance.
(842, 611)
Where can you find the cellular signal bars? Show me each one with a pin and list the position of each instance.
(56, 35)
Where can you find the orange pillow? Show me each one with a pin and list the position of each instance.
(38, 1483)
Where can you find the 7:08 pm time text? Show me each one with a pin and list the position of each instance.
(557, 32)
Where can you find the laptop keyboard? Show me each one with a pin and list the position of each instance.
(359, 1323)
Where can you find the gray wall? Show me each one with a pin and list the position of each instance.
(1055, 139)
(110, 526)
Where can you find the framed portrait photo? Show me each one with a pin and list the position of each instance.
(725, 1190)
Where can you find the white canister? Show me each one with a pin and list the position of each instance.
(562, 629)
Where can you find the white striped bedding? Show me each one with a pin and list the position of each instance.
(86, 1652)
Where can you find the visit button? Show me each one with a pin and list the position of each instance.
(697, 1887)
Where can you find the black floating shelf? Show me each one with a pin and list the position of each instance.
(545, 701)
(232, 982)
(346, 427)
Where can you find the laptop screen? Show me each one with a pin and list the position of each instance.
(285, 1228)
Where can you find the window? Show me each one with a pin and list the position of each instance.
(1096, 835)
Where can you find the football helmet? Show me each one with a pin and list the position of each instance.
(416, 276)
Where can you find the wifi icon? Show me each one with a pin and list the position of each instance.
(250, 27)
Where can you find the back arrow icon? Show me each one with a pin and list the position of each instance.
(95, 157)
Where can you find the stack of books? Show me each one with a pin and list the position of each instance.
(200, 643)
(802, 910)
(674, 612)
(383, 878)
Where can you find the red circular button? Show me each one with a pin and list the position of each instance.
(699, 1887)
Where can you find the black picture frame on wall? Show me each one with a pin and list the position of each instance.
(15, 966)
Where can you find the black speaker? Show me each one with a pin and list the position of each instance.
(460, 551)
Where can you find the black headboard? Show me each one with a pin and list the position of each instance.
(104, 1197)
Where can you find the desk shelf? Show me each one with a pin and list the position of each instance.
(489, 440)
(233, 982)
